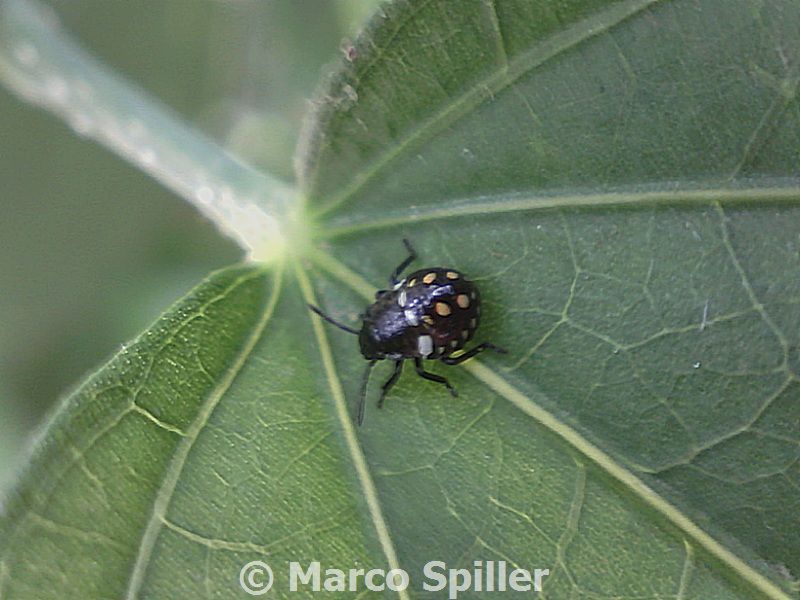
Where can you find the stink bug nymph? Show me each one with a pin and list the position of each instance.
(430, 314)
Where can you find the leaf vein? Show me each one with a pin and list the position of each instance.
(175, 467)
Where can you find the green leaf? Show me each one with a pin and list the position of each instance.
(620, 179)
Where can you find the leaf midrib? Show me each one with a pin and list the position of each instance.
(484, 205)
(351, 438)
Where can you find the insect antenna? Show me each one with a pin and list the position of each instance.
(331, 321)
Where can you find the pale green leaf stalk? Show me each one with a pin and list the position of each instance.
(40, 62)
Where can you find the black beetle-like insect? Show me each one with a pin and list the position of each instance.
(430, 314)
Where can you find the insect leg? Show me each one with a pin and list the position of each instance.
(398, 368)
(449, 360)
(412, 255)
(432, 376)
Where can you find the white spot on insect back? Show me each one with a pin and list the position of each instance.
(425, 345)
(402, 299)
(412, 316)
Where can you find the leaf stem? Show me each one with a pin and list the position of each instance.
(45, 66)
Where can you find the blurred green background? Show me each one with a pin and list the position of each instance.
(92, 250)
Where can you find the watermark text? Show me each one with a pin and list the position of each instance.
(256, 578)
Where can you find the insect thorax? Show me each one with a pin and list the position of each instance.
(430, 314)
